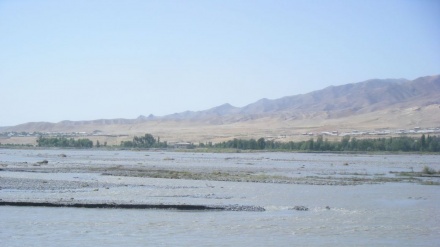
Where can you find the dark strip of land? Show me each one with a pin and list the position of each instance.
(135, 206)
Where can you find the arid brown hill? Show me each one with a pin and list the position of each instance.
(372, 104)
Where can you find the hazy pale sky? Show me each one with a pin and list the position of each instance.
(92, 59)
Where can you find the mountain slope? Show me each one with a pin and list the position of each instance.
(386, 99)
(334, 101)
(355, 98)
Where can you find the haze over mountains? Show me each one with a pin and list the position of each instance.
(372, 104)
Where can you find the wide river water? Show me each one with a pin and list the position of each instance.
(379, 214)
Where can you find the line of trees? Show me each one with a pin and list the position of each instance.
(347, 143)
(64, 142)
(146, 141)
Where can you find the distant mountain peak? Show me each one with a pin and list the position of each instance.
(224, 106)
(142, 117)
(329, 103)
(221, 109)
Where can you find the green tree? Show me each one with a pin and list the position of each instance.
(261, 143)
(345, 143)
(423, 143)
(319, 143)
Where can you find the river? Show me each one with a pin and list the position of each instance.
(379, 214)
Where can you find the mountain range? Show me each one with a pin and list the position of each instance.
(332, 102)
(372, 104)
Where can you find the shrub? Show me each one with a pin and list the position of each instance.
(428, 170)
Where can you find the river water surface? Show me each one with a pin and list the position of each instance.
(379, 214)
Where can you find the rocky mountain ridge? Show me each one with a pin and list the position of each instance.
(331, 103)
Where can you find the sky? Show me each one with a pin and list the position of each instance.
(94, 59)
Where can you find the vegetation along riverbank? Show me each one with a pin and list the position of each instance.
(423, 143)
